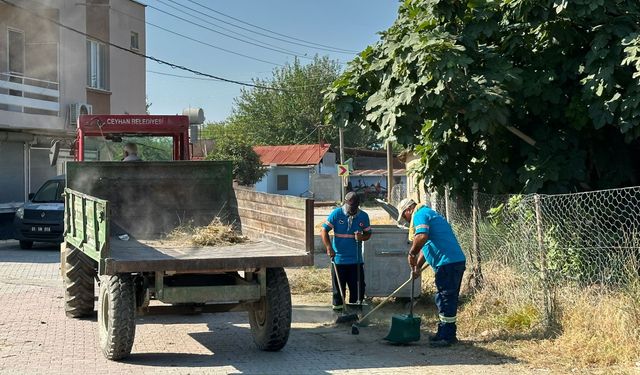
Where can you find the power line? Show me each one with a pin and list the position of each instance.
(195, 40)
(227, 35)
(159, 61)
(207, 44)
(221, 27)
(185, 77)
(308, 44)
(215, 80)
(308, 135)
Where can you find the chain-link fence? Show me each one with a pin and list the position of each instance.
(539, 244)
(398, 192)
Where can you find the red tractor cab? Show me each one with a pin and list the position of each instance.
(101, 137)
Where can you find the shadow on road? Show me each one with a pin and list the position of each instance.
(324, 348)
(42, 252)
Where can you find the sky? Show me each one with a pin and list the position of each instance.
(349, 25)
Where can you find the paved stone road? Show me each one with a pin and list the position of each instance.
(37, 338)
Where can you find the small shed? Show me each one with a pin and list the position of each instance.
(300, 170)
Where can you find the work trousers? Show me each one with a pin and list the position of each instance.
(448, 280)
(348, 275)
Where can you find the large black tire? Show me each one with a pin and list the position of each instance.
(116, 315)
(270, 318)
(26, 245)
(78, 274)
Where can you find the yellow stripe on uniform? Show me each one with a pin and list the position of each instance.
(447, 319)
(412, 228)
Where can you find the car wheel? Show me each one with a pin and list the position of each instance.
(26, 245)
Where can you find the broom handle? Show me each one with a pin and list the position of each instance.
(391, 295)
(335, 269)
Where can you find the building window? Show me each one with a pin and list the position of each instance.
(135, 41)
(97, 65)
(16, 52)
(283, 182)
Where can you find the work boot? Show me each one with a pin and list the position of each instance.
(443, 343)
(445, 336)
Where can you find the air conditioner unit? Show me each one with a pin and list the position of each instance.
(77, 109)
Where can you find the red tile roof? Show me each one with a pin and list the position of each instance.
(291, 154)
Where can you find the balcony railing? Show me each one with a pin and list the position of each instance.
(29, 95)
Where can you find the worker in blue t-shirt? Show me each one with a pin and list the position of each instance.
(350, 227)
(431, 233)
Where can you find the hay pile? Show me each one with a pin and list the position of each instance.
(214, 234)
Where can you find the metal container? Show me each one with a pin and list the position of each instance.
(385, 262)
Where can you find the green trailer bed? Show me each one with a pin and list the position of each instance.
(104, 201)
(156, 255)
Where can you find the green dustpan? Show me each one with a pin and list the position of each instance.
(404, 328)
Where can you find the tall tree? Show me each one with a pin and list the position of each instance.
(292, 113)
(230, 145)
(519, 95)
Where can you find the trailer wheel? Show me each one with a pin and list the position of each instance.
(270, 319)
(116, 315)
(78, 275)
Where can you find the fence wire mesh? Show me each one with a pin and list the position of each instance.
(398, 192)
(539, 244)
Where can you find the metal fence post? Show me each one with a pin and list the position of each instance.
(475, 259)
(446, 203)
(434, 200)
(547, 288)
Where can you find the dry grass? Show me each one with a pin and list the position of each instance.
(214, 234)
(599, 329)
(383, 221)
(502, 307)
(310, 280)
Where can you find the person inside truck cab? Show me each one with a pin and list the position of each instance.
(131, 152)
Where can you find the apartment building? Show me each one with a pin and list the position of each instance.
(50, 74)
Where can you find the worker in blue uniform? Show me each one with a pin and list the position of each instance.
(350, 227)
(433, 242)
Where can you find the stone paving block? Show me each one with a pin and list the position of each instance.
(37, 338)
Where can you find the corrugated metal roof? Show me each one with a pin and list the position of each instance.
(291, 154)
(376, 172)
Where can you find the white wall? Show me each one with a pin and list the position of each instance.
(128, 71)
(325, 187)
(298, 181)
(328, 164)
(73, 56)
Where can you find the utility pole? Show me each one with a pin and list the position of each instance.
(389, 170)
(341, 133)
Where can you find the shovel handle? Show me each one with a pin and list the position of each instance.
(413, 282)
(391, 295)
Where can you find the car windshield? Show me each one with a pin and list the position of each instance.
(50, 192)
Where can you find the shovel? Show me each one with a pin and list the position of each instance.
(405, 328)
(355, 327)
